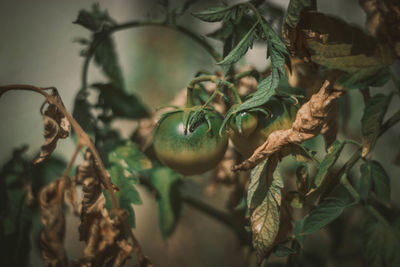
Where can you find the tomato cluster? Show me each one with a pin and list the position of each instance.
(200, 147)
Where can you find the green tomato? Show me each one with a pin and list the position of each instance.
(281, 118)
(247, 121)
(193, 152)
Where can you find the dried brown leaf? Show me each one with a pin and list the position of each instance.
(105, 244)
(71, 195)
(53, 221)
(383, 21)
(56, 126)
(310, 120)
(331, 127)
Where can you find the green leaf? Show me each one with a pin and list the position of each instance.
(279, 55)
(107, 140)
(184, 6)
(265, 91)
(382, 242)
(297, 227)
(283, 251)
(374, 175)
(127, 194)
(93, 20)
(241, 48)
(16, 216)
(222, 33)
(122, 104)
(324, 213)
(263, 202)
(106, 57)
(329, 160)
(363, 60)
(167, 183)
(127, 161)
(215, 14)
(130, 158)
(294, 10)
(372, 119)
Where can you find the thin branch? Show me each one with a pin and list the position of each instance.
(84, 140)
(100, 38)
(220, 216)
(390, 122)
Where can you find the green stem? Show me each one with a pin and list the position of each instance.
(204, 78)
(377, 215)
(220, 216)
(246, 73)
(100, 38)
(346, 183)
(390, 122)
(353, 142)
(254, 9)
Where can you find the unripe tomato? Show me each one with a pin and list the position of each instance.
(249, 122)
(281, 118)
(193, 152)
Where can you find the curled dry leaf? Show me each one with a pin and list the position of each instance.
(311, 120)
(103, 236)
(53, 221)
(71, 195)
(383, 21)
(56, 126)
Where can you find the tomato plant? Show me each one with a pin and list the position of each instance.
(249, 135)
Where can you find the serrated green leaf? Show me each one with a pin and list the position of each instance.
(105, 56)
(263, 201)
(324, 213)
(374, 176)
(265, 90)
(167, 184)
(222, 33)
(297, 227)
(241, 48)
(283, 251)
(130, 158)
(382, 241)
(215, 14)
(329, 160)
(372, 119)
(278, 54)
(123, 105)
(94, 19)
(127, 194)
(294, 10)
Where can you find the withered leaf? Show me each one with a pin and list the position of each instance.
(56, 126)
(53, 221)
(371, 121)
(106, 245)
(383, 21)
(263, 201)
(359, 56)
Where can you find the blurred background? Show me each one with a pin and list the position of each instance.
(37, 47)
